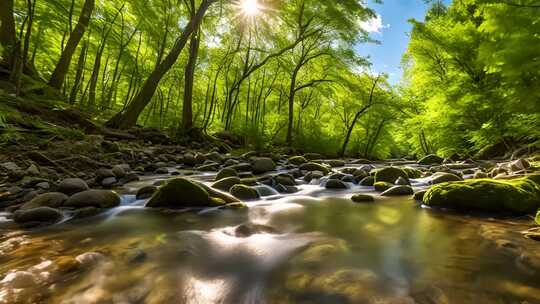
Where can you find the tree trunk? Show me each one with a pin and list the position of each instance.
(94, 80)
(62, 67)
(7, 31)
(350, 130)
(130, 116)
(292, 93)
(78, 74)
(187, 108)
(358, 114)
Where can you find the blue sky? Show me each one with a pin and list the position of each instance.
(391, 30)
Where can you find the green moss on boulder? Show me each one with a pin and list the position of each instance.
(297, 160)
(389, 174)
(431, 159)
(93, 198)
(180, 193)
(226, 172)
(519, 196)
(314, 167)
(538, 217)
(226, 183)
(244, 192)
(412, 172)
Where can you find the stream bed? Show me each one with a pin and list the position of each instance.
(314, 246)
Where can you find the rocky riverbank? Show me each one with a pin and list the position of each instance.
(74, 179)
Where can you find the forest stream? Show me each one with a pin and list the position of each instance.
(270, 152)
(313, 246)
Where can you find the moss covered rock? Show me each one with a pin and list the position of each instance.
(226, 183)
(297, 160)
(516, 196)
(93, 198)
(262, 165)
(51, 199)
(38, 215)
(398, 190)
(443, 177)
(538, 217)
(412, 172)
(226, 172)
(244, 192)
(431, 159)
(389, 174)
(180, 193)
(314, 167)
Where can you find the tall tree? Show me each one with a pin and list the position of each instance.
(189, 74)
(7, 31)
(62, 67)
(129, 117)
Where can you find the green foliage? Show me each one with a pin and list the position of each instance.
(472, 77)
(472, 73)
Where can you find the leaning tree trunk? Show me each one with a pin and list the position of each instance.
(358, 114)
(187, 108)
(78, 74)
(350, 130)
(129, 117)
(7, 31)
(62, 67)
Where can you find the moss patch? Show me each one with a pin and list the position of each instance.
(519, 196)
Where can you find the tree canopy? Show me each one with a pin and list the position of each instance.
(284, 72)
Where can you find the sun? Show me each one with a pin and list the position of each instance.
(250, 7)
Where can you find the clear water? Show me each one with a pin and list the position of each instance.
(321, 248)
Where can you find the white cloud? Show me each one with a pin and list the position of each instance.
(374, 25)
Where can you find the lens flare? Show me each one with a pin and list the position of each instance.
(250, 7)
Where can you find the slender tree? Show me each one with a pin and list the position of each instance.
(62, 67)
(129, 117)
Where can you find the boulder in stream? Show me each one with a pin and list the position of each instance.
(180, 193)
(93, 198)
(389, 174)
(367, 181)
(443, 177)
(297, 160)
(335, 184)
(431, 159)
(519, 196)
(226, 172)
(226, 183)
(52, 199)
(38, 215)
(145, 192)
(262, 165)
(244, 192)
(71, 186)
(398, 190)
(314, 167)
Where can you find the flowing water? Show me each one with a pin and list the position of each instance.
(314, 246)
